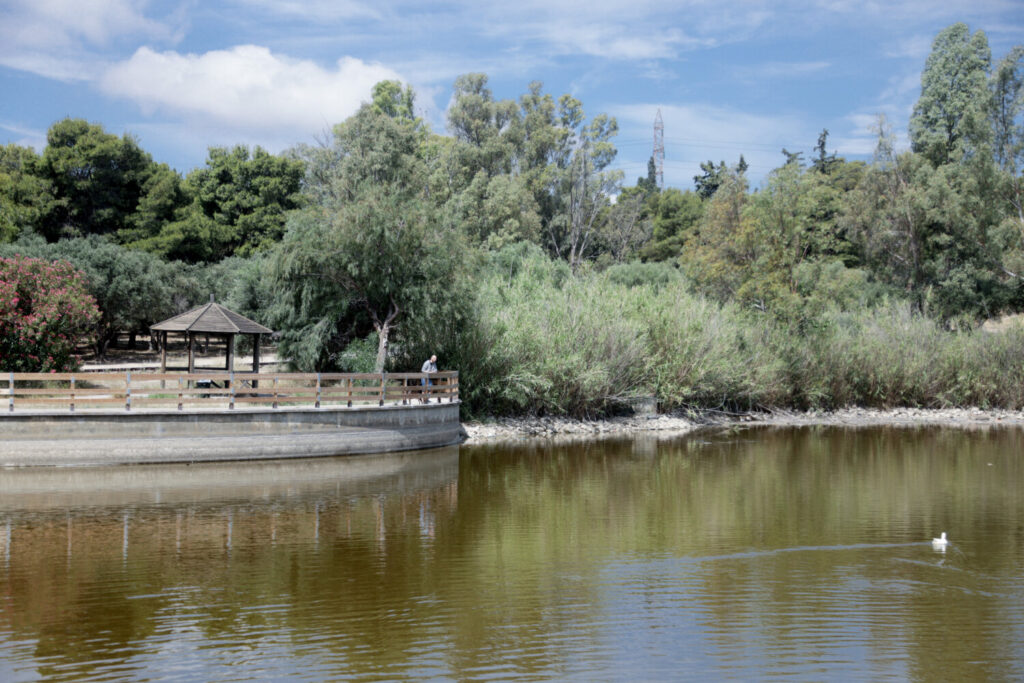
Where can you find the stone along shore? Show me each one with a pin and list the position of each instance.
(501, 429)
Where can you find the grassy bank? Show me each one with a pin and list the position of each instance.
(547, 343)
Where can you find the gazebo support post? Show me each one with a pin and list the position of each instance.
(255, 358)
(191, 355)
(229, 363)
(163, 355)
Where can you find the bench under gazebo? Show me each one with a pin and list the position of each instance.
(214, 320)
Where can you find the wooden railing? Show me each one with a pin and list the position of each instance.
(215, 390)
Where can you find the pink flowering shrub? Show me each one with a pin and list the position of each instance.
(45, 310)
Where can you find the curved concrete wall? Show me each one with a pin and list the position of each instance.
(110, 437)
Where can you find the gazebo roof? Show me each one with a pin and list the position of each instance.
(212, 318)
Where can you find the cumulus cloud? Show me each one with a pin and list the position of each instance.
(247, 87)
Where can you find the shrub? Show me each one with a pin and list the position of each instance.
(45, 311)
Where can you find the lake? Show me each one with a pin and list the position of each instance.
(734, 554)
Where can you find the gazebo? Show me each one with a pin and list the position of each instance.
(211, 319)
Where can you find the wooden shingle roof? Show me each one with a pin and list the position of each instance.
(212, 318)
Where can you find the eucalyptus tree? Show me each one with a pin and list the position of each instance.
(581, 181)
(929, 231)
(487, 196)
(1007, 84)
(950, 118)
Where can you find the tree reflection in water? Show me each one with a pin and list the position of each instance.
(764, 552)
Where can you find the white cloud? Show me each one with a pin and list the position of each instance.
(782, 69)
(615, 41)
(912, 47)
(25, 136)
(247, 87)
(321, 10)
(59, 38)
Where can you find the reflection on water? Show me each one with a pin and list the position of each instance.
(758, 554)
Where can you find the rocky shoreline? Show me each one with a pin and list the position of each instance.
(507, 429)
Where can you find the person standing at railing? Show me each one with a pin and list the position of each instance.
(429, 368)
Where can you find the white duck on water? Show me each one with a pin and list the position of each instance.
(941, 542)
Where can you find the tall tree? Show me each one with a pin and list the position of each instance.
(238, 206)
(24, 195)
(675, 216)
(929, 231)
(649, 183)
(950, 118)
(1007, 86)
(710, 178)
(823, 161)
(370, 247)
(97, 179)
(584, 184)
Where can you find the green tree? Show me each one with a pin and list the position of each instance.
(583, 184)
(712, 177)
(1007, 85)
(97, 180)
(486, 196)
(391, 99)
(649, 183)
(823, 162)
(238, 205)
(24, 195)
(675, 215)
(624, 227)
(370, 249)
(950, 118)
(160, 204)
(719, 255)
(929, 231)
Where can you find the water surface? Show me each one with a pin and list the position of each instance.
(762, 553)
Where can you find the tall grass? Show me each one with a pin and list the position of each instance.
(545, 343)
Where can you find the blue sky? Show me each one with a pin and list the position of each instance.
(731, 77)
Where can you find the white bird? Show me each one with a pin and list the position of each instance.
(941, 542)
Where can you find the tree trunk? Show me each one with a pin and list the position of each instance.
(382, 345)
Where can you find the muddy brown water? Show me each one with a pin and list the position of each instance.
(756, 554)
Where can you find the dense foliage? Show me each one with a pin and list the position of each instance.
(45, 310)
(513, 249)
